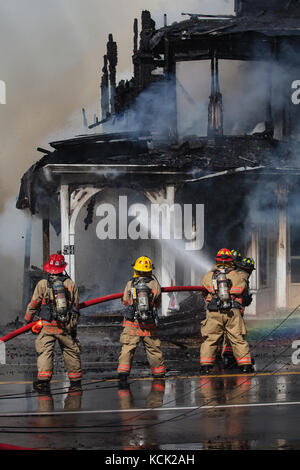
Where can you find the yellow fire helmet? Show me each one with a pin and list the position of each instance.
(143, 264)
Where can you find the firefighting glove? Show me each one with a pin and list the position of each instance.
(128, 312)
(213, 305)
(74, 318)
(155, 316)
(73, 333)
(246, 300)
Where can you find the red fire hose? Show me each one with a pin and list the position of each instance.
(17, 332)
(106, 298)
(100, 300)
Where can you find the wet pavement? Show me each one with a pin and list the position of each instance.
(224, 411)
(185, 411)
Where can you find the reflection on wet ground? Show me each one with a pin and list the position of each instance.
(222, 411)
(185, 411)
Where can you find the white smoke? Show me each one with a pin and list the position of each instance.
(51, 64)
(13, 225)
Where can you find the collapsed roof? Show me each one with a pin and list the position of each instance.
(112, 159)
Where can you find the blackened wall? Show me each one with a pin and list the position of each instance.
(278, 7)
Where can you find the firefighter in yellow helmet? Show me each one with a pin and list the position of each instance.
(142, 298)
(225, 287)
(55, 302)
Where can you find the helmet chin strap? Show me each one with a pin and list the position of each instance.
(228, 264)
(142, 274)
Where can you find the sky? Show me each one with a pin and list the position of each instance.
(51, 56)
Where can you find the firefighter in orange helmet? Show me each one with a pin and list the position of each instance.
(55, 302)
(142, 297)
(225, 287)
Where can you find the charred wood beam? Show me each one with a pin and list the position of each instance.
(243, 45)
(201, 55)
(196, 15)
(170, 76)
(233, 47)
(98, 138)
(84, 118)
(46, 240)
(145, 69)
(135, 36)
(104, 90)
(169, 53)
(135, 54)
(148, 25)
(112, 56)
(40, 149)
(27, 256)
(215, 107)
(269, 112)
(143, 57)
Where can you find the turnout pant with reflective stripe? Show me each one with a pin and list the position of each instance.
(226, 345)
(213, 328)
(152, 347)
(70, 349)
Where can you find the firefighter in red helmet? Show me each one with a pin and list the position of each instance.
(55, 302)
(225, 287)
(245, 266)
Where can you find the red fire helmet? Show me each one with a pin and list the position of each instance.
(224, 256)
(56, 264)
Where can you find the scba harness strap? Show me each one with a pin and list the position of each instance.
(142, 300)
(224, 302)
(58, 307)
(215, 305)
(58, 300)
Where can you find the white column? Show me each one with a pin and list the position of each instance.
(2, 353)
(167, 275)
(65, 223)
(195, 251)
(252, 252)
(281, 262)
(77, 199)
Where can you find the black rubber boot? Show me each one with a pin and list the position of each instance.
(123, 378)
(247, 369)
(41, 385)
(218, 357)
(75, 385)
(158, 376)
(205, 369)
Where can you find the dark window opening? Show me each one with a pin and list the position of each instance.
(295, 270)
(295, 240)
(295, 252)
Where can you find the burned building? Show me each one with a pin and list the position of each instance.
(174, 175)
